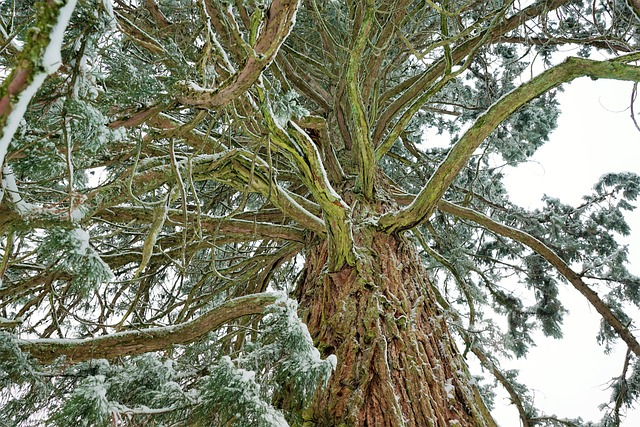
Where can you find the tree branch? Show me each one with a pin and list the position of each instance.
(278, 23)
(237, 168)
(363, 149)
(552, 258)
(131, 343)
(426, 201)
(497, 373)
(240, 230)
(412, 88)
(299, 148)
(39, 58)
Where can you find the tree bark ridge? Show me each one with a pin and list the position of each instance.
(397, 361)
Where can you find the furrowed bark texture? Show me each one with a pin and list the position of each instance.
(397, 361)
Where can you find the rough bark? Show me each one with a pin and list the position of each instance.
(397, 361)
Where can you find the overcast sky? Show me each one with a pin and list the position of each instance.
(595, 135)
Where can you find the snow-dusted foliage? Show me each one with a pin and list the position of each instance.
(231, 396)
(69, 250)
(159, 389)
(87, 406)
(284, 354)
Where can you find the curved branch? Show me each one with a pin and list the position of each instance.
(278, 23)
(306, 85)
(241, 169)
(131, 343)
(552, 258)
(426, 201)
(412, 88)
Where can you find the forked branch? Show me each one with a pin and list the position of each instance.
(426, 201)
(279, 21)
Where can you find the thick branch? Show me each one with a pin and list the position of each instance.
(424, 204)
(131, 343)
(335, 209)
(240, 230)
(302, 152)
(278, 24)
(412, 88)
(39, 58)
(364, 148)
(552, 258)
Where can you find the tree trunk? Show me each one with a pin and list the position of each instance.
(397, 362)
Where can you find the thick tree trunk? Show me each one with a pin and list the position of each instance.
(397, 362)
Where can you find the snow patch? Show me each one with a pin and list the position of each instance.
(450, 389)
(16, 115)
(275, 419)
(108, 7)
(82, 239)
(77, 214)
(9, 185)
(52, 58)
(333, 360)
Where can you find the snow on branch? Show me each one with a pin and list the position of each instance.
(134, 342)
(26, 78)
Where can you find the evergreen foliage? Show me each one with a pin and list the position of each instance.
(188, 156)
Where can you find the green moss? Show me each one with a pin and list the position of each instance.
(402, 322)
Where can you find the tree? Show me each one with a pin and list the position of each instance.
(228, 213)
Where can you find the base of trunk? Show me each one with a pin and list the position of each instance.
(397, 362)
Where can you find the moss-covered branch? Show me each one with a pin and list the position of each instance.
(363, 148)
(426, 201)
(131, 343)
(295, 144)
(227, 228)
(39, 58)
(410, 89)
(279, 21)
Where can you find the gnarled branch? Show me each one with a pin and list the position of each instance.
(278, 23)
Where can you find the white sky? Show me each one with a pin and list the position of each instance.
(595, 135)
